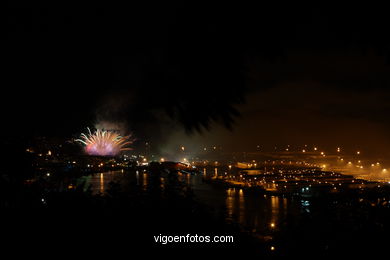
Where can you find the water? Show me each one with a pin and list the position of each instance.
(100, 181)
(256, 213)
(326, 224)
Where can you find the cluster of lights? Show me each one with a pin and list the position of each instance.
(279, 179)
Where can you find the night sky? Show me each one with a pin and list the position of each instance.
(240, 75)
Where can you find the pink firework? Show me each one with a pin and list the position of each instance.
(105, 143)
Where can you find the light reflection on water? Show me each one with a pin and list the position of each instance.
(145, 180)
(274, 209)
(254, 212)
(99, 182)
(101, 186)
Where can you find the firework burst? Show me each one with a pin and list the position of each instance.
(105, 143)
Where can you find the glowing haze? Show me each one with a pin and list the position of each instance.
(105, 143)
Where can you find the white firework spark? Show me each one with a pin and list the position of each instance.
(105, 143)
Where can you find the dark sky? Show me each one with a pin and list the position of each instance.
(296, 74)
(323, 108)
